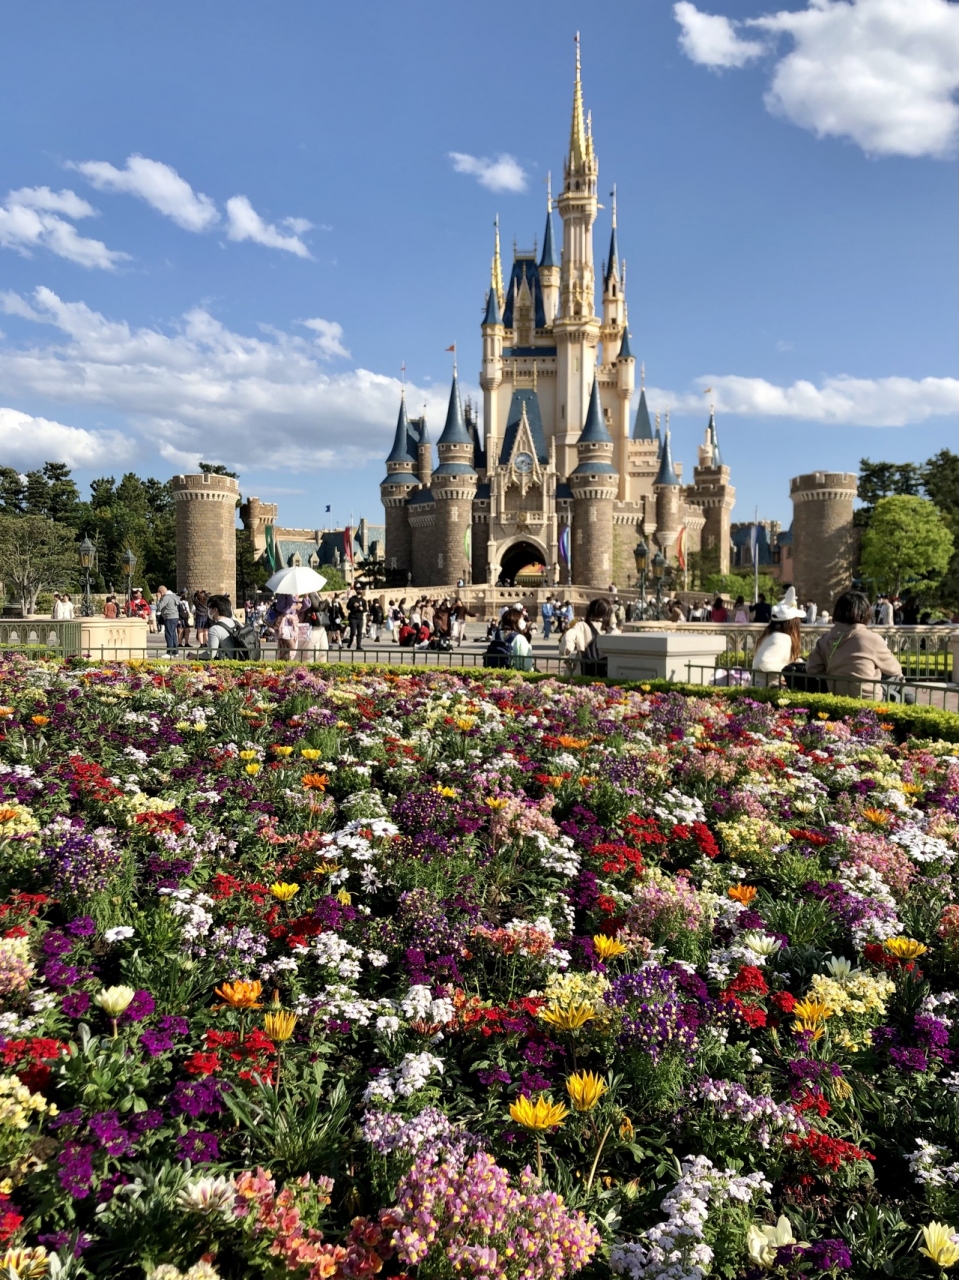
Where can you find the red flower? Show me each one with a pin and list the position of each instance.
(203, 1064)
(784, 1001)
(749, 981)
(825, 1151)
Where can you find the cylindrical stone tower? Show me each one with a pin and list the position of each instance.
(594, 483)
(667, 489)
(453, 486)
(824, 539)
(206, 533)
(395, 491)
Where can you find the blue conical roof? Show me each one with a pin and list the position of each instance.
(642, 427)
(713, 439)
(624, 351)
(492, 309)
(455, 432)
(549, 257)
(594, 430)
(612, 262)
(667, 472)
(400, 451)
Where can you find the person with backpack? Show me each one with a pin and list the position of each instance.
(376, 620)
(579, 646)
(183, 611)
(168, 613)
(356, 613)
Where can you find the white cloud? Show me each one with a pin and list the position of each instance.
(29, 219)
(505, 173)
(883, 73)
(200, 389)
(711, 40)
(329, 336)
(841, 400)
(29, 442)
(246, 224)
(156, 183)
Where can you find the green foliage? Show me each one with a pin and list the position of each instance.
(217, 469)
(907, 545)
(35, 552)
(741, 584)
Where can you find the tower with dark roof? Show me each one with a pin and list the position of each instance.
(712, 494)
(594, 483)
(453, 486)
(401, 480)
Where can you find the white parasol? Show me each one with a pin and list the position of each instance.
(296, 581)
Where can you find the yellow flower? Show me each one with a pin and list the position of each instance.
(607, 948)
(344, 897)
(282, 752)
(939, 1245)
(26, 1264)
(905, 948)
(40, 721)
(878, 817)
(538, 1115)
(241, 995)
(182, 725)
(248, 755)
(448, 792)
(114, 1000)
(310, 753)
(279, 1026)
(327, 868)
(626, 1129)
(284, 892)
(6, 713)
(465, 723)
(812, 1010)
(251, 769)
(496, 803)
(585, 1089)
(199, 727)
(570, 1018)
(763, 1242)
(822, 715)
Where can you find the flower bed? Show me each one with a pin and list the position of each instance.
(316, 974)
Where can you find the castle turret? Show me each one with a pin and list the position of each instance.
(549, 262)
(824, 539)
(491, 374)
(625, 384)
(400, 482)
(205, 507)
(594, 484)
(454, 487)
(715, 496)
(614, 302)
(576, 326)
(668, 490)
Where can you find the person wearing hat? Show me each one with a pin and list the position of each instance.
(779, 643)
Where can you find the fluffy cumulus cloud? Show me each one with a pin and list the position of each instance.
(29, 442)
(156, 183)
(198, 388)
(882, 73)
(842, 401)
(505, 173)
(711, 39)
(36, 218)
(244, 223)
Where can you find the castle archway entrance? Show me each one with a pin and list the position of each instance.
(519, 557)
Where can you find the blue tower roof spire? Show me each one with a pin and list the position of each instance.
(400, 451)
(612, 262)
(549, 257)
(492, 309)
(594, 429)
(667, 472)
(455, 432)
(642, 427)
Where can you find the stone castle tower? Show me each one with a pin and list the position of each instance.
(824, 540)
(205, 508)
(558, 476)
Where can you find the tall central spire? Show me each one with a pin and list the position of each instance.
(579, 141)
(496, 270)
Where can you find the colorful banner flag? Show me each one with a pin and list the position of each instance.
(468, 543)
(754, 544)
(348, 544)
(681, 548)
(564, 544)
(270, 549)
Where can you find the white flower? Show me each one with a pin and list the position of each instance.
(119, 933)
(208, 1196)
(840, 968)
(762, 944)
(113, 1000)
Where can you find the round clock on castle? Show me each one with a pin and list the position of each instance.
(523, 462)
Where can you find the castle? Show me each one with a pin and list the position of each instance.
(559, 476)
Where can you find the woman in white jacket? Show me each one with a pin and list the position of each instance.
(779, 643)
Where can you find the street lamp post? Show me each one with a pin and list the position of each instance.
(87, 551)
(129, 564)
(641, 555)
(658, 567)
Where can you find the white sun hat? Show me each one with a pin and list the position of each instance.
(787, 609)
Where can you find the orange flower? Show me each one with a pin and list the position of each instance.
(241, 995)
(315, 781)
(40, 721)
(573, 744)
(743, 893)
(878, 817)
(7, 815)
(6, 713)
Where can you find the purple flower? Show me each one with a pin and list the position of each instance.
(82, 927)
(196, 1098)
(143, 1121)
(76, 1169)
(58, 1240)
(75, 1004)
(829, 1255)
(66, 1118)
(199, 1146)
(56, 943)
(497, 1076)
(532, 1082)
(106, 1127)
(140, 1007)
(59, 974)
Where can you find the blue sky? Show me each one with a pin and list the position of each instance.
(292, 225)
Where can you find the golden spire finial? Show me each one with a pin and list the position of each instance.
(496, 271)
(578, 147)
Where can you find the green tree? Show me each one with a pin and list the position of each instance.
(907, 545)
(878, 480)
(741, 584)
(217, 469)
(36, 554)
(51, 492)
(13, 492)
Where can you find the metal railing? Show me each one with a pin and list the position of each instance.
(59, 638)
(924, 653)
(926, 693)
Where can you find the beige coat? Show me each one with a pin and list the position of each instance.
(853, 654)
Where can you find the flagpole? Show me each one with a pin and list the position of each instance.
(756, 561)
